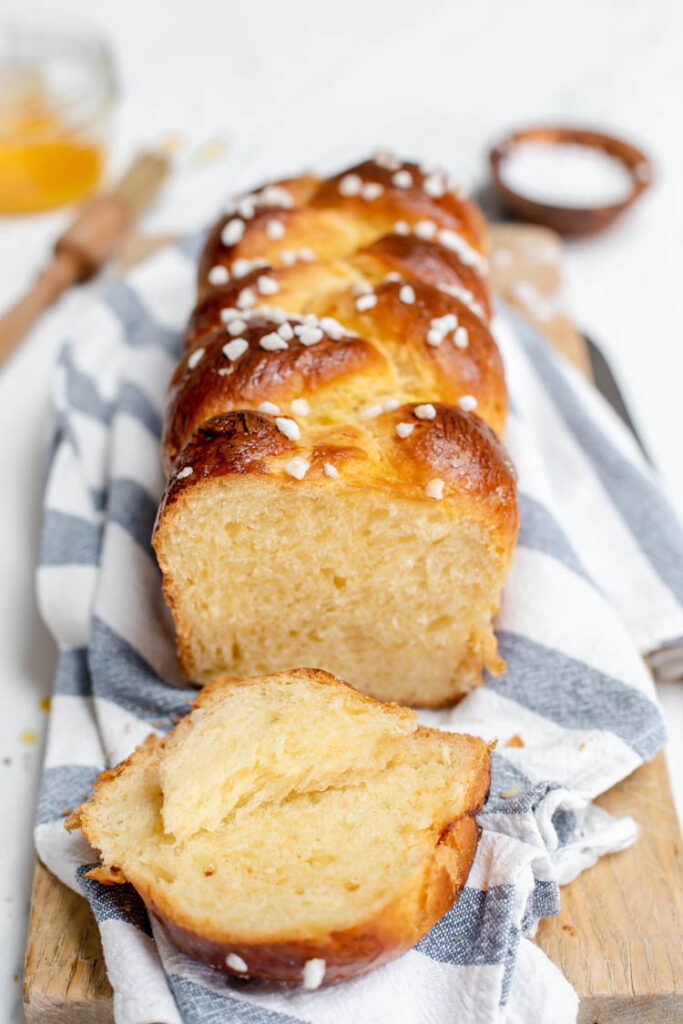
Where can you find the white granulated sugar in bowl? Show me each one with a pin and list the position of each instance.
(566, 174)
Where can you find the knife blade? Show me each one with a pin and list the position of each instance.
(606, 384)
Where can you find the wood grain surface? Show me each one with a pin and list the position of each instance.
(65, 980)
(618, 936)
(526, 271)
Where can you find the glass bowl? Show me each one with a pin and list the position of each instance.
(57, 89)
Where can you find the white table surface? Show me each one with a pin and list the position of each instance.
(292, 83)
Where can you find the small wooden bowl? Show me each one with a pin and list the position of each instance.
(575, 221)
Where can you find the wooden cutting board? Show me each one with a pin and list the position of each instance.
(618, 937)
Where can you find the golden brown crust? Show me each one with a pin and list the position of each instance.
(215, 385)
(377, 345)
(300, 187)
(446, 282)
(107, 874)
(457, 447)
(235, 442)
(425, 260)
(442, 372)
(319, 218)
(412, 204)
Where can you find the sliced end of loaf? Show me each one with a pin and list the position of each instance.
(264, 572)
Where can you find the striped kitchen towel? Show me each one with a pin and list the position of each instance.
(596, 581)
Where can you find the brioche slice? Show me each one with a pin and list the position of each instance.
(291, 828)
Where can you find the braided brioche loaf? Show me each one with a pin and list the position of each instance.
(338, 495)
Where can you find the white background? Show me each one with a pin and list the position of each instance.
(293, 83)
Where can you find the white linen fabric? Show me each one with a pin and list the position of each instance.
(596, 582)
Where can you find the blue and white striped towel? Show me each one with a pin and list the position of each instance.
(596, 581)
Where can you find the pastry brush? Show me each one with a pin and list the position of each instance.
(86, 245)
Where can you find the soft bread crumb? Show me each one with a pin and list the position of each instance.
(410, 586)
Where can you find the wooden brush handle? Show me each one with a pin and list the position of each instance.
(79, 253)
(59, 275)
(92, 238)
